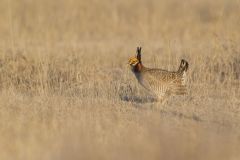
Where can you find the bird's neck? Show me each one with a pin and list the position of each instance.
(138, 68)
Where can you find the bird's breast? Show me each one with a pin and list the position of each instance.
(141, 80)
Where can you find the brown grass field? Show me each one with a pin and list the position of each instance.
(66, 92)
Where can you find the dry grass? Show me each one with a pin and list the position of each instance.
(66, 93)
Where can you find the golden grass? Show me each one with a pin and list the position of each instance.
(66, 93)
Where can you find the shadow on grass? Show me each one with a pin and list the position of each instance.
(182, 116)
(137, 99)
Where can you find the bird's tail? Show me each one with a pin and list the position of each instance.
(183, 67)
(179, 86)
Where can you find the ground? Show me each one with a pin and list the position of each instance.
(67, 93)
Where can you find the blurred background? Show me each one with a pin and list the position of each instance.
(66, 93)
(30, 21)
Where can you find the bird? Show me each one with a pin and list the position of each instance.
(162, 83)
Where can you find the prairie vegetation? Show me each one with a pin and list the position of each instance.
(66, 92)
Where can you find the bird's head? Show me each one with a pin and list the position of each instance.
(134, 61)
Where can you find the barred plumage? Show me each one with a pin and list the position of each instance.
(161, 82)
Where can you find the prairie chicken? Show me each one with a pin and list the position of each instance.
(161, 82)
